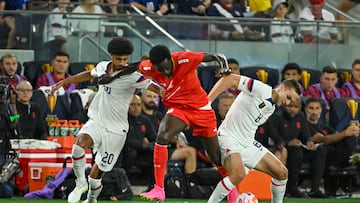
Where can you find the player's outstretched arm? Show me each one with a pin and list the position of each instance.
(80, 77)
(223, 84)
(222, 61)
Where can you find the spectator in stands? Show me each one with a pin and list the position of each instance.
(140, 140)
(345, 6)
(159, 7)
(82, 116)
(9, 65)
(190, 7)
(280, 29)
(84, 24)
(60, 65)
(225, 101)
(292, 126)
(326, 89)
(293, 71)
(352, 88)
(32, 126)
(314, 33)
(9, 18)
(149, 100)
(56, 29)
(233, 30)
(335, 142)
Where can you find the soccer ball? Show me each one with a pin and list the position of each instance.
(246, 197)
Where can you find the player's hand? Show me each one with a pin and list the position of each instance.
(224, 72)
(57, 86)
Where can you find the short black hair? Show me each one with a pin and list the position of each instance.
(312, 99)
(290, 66)
(329, 69)
(61, 53)
(159, 53)
(232, 60)
(293, 84)
(120, 46)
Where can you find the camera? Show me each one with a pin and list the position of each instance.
(4, 89)
(10, 168)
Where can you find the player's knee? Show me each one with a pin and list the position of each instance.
(237, 176)
(282, 174)
(84, 141)
(163, 138)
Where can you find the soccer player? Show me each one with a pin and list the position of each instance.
(186, 104)
(107, 126)
(239, 150)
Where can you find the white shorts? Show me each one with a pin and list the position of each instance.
(107, 144)
(250, 155)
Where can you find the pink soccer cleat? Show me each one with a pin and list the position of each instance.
(157, 193)
(231, 197)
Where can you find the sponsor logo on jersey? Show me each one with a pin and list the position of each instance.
(183, 61)
(147, 67)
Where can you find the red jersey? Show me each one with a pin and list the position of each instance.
(183, 89)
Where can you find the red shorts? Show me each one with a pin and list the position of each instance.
(203, 121)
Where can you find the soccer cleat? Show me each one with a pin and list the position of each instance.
(80, 188)
(231, 197)
(157, 194)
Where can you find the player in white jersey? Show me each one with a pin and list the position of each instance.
(107, 127)
(239, 150)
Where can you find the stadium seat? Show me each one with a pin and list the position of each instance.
(340, 115)
(62, 105)
(207, 77)
(313, 78)
(33, 69)
(271, 76)
(77, 67)
(344, 75)
(79, 98)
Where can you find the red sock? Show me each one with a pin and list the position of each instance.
(222, 171)
(160, 160)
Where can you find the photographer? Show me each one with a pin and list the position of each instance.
(8, 162)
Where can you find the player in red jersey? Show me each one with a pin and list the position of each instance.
(186, 103)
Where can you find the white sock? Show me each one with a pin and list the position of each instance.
(222, 189)
(278, 188)
(95, 188)
(79, 162)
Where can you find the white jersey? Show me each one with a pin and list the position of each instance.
(251, 108)
(110, 105)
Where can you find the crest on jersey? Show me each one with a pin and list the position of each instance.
(262, 105)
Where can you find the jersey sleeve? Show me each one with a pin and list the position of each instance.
(254, 87)
(140, 81)
(100, 69)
